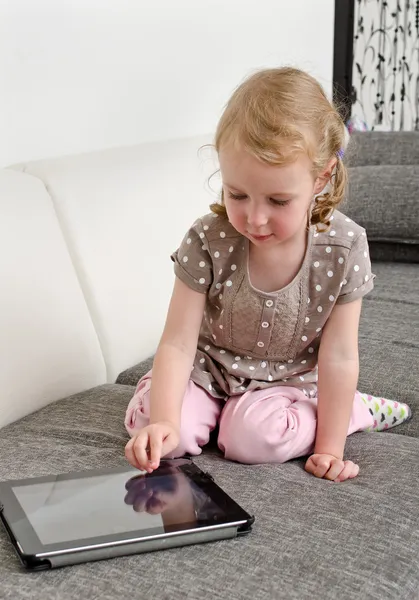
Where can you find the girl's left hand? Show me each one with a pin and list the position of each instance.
(328, 466)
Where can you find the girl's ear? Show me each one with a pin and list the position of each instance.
(324, 177)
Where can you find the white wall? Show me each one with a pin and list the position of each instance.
(80, 75)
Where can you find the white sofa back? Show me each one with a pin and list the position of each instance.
(85, 269)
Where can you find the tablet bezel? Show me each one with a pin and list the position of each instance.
(28, 543)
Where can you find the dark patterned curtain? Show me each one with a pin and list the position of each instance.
(385, 73)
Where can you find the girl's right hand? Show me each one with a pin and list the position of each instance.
(145, 449)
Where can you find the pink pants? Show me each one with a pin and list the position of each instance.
(262, 426)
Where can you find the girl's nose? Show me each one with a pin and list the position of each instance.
(257, 217)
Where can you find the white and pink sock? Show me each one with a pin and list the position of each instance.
(386, 413)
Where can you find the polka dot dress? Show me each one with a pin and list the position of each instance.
(251, 339)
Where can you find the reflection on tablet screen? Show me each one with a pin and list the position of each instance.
(73, 509)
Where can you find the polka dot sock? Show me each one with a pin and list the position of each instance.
(386, 413)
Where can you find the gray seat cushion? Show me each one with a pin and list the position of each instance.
(312, 538)
(389, 339)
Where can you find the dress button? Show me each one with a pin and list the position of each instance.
(269, 303)
(261, 344)
(265, 324)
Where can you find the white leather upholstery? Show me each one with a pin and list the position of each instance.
(121, 213)
(48, 344)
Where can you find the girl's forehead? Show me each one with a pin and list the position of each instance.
(236, 164)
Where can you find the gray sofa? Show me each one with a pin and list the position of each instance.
(312, 538)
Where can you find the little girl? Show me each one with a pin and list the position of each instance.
(261, 335)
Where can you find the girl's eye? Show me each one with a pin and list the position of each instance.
(236, 196)
(243, 197)
(280, 202)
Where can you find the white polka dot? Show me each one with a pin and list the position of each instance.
(302, 378)
(330, 273)
(316, 264)
(185, 259)
(269, 303)
(347, 220)
(366, 277)
(356, 268)
(303, 362)
(220, 271)
(202, 264)
(202, 235)
(333, 233)
(216, 254)
(365, 254)
(318, 329)
(211, 321)
(319, 309)
(331, 298)
(355, 289)
(218, 285)
(290, 361)
(242, 388)
(304, 338)
(311, 350)
(318, 288)
(231, 249)
(263, 364)
(222, 351)
(207, 348)
(328, 249)
(203, 247)
(202, 280)
(220, 296)
(265, 324)
(235, 366)
(251, 368)
(220, 326)
(260, 344)
(307, 320)
(210, 387)
(350, 233)
(229, 283)
(270, 378)
(188, 241)
(222, 234)
(282, 367)
(214, 336)
(202, 360)
(344, 282)
(206, 227)
(340, 261)
(233, 267)
(308, 300)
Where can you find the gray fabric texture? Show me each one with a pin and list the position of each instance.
(389, 339)
(385, 200)
(312, 538)
(394, 252)
(383, 148)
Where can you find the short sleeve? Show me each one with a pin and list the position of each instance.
(193, 263)
(359, 279)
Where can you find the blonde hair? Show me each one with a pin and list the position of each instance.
(277, 115)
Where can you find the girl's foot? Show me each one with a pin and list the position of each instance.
(386, 413)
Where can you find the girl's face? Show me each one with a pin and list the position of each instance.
(265, 203)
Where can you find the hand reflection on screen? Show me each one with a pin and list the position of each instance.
(165, 491)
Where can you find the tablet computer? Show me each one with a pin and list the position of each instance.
(60, 520)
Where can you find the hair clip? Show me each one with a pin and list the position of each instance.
(341, 153)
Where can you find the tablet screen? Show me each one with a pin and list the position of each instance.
(66, 509)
